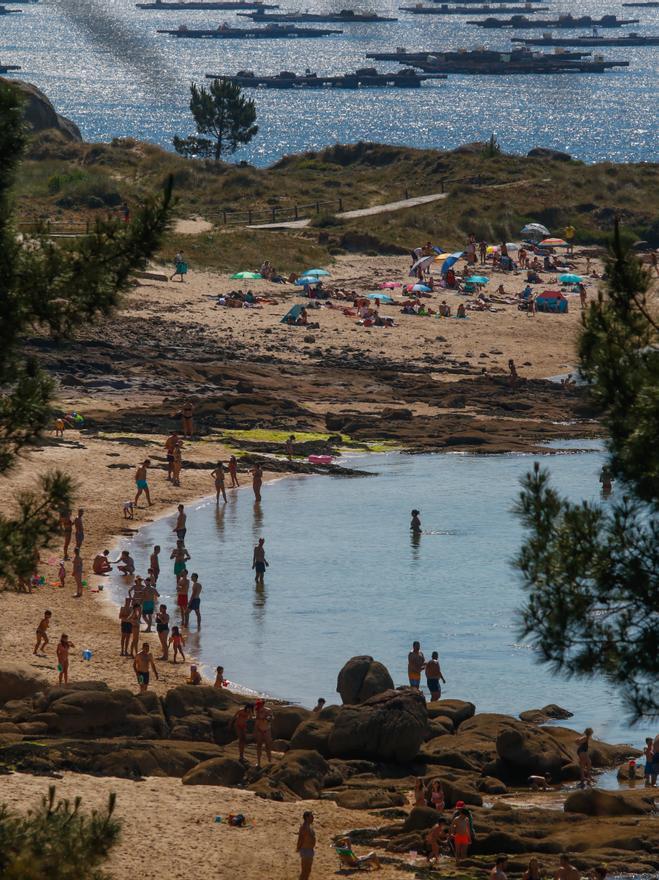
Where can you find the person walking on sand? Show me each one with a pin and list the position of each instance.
(180, 526)
(125, 615)
(170, 445)
(416, 663)
(77, 572)
(194, 601)
(233, 472)
(259, 562)
(79, 528)
(177, 641)
(306, 845)
(63, 658)
(143, 664)
(162, 628)
(257, 480)
(240, 721)
(151, 595)
(180, 266)
(42, 633)
(66, 524)
(218, 476)
(135, 618)
(585, 764)
(141, 482)
(289, 447)
(177, 465)
(187, 420)
(434, 677)
(263, 731)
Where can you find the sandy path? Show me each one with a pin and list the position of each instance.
(169, 828)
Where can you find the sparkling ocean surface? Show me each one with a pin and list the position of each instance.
(347, 578)
(104, 66)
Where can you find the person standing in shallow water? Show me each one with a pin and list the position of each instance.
(259, 562)
(306, 845)
(434, 677)
(233, 472)
(415, 525)
(257, 480)
(416, 663)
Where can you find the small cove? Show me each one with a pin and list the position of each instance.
(346, 578)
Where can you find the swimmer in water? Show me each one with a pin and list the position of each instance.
(415, 525)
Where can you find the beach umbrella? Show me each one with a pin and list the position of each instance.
(512, 246)
(450, 261)
(478, 279)
(570, 279)
(493, 249)
(317, 272)
(554, 242)
(421, 288)
(381, 297)
(307, 280)
(246, 276)
(422, 264)
(389, 285)
(535, 229)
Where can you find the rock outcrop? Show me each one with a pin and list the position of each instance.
(388, 727)
(40, 113)
(595, 802)
(361, 678)
(552, 712)
(19, 680)
(547, 153)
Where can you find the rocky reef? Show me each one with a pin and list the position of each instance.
(364, 754)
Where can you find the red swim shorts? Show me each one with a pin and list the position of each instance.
(182, 600)
(462, 840)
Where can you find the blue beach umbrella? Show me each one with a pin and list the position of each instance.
(450, 261)
(382, 297)
(478, 279)
(317, 272)
(307, 280)
(570, 279)
(421, 288)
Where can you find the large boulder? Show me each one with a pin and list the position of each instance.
(526, 749)
(216, 771)
(101, 712)
(421, 818)
(20, 680)
(202, 712)
(313, 734)
(40, 113)
(299, 774)
(601, 754)
(548, 153)
(388, 727)
(595, 802)
(552, 712)
(370, 799)
(287, 719)
(361, 678)
(457, 710)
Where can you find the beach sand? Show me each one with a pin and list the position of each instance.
(169, 828)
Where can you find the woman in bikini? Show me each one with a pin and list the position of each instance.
(177, 641)
(218, 476)
(162, 628)
(233, 472)
(585, 764)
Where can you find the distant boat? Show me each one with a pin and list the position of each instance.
(226, 5)
(646, 4)
(489, 62)
(345, 16)
(444, 9)
(594, 39)
(365, 77)
(5, 11)
(270, 32)
(563, 21)
(7, 68)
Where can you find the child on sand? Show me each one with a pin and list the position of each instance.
(42, 635)
(61, 573)
(63, 658)
(219, 678)
(195, 677)
(177, 641)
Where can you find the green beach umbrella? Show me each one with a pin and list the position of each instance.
(246, 276)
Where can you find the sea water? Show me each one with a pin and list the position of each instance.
(346, 577)
(104, 66)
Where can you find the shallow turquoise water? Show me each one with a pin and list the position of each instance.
(346, 578)
(104, 65)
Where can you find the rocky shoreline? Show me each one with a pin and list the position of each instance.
(364, 754)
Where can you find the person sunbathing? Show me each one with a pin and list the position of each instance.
(350, 860)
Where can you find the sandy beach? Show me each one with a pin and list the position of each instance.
(244, 369)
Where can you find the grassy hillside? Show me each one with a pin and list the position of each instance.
(74, 182)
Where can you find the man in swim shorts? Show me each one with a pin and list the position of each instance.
(434, 677)
(194, 601)
(415, 664)
(259, 562)
(263, 731)
(170, 445)
(150, 594)
(141, 482)
(182, 587)
(240, 721)
(142, 665)
(180, 527)
(306, 845)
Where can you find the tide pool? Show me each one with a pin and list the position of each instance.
(346, 577)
